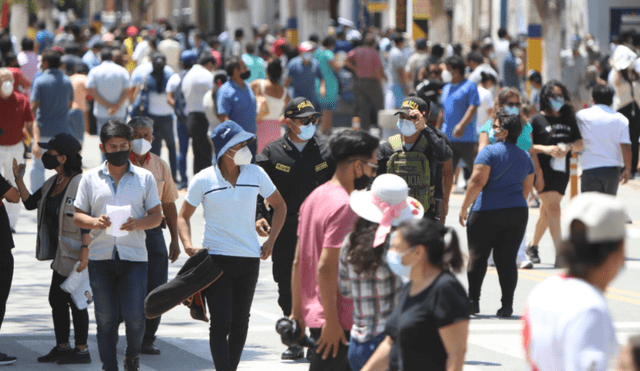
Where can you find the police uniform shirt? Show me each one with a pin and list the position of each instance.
(295, 174)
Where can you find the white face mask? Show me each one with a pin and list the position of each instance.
(242, 157)
(446, 76)
(140, 146)
(7, 88)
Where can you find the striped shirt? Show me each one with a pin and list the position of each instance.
(374, 296)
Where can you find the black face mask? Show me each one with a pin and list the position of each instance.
(245, 75)
(117, 158)
(362, 182)
(50, 161)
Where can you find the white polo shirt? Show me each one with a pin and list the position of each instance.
(229, 212)
(567, 326)
(195, 84)
(602, 130)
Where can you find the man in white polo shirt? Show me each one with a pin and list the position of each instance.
(118, 264)
(228, 192)
(606, 157)
(195, 84)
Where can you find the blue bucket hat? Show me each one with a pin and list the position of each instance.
(188, 56)
(227, 135)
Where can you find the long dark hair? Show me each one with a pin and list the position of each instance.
(443, 248)
(73, 165)
(545, 98)
(360, 251)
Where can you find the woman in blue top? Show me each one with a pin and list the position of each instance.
(502, 177)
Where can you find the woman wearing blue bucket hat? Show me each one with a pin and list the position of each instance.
(228, 193)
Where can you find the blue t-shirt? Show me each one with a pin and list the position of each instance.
(303, 79)
(510, 66)
(54, 91)
(456, 99)
(343, 46)
(524, 140)
(239, 103)
(510, 166)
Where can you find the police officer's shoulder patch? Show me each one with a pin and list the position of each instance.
(321, 166)
(284, 168)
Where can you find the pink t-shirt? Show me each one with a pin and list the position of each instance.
(325, 220)
(367, 60)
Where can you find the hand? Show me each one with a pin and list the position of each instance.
(301, 325)
(414, 113)
(444, 210)
(102, 222)
(18, 169)
(84, 259)
(174, 250)
(555, 152)
(330, 339)
(190, 250)
(624, 177)
(267, 248)
(36, 151)
(458, 131)
(539, 183)
(464, 214)
(323, 91)
(130, 225)
(262, 227)
(113, 110)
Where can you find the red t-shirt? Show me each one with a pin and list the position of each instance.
(15, 111)
(325, 219)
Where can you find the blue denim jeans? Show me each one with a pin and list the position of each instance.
(157, 273)
(183, 145)
(163, 130)
(119, 286)
(359, 353)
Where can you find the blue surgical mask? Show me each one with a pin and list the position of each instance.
(557, 104)
(514, 111)
(492, 136)
(306, 131)
(394, 260)
(406, 127)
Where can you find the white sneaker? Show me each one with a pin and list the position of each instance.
(525, 264)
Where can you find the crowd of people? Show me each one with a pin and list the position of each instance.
(354, 223)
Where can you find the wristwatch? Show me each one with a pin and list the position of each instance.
(84, 246)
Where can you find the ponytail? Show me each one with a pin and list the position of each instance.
(441, 243)
(452, 257)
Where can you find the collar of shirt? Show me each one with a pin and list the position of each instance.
(240, 87)
(289, 146)
(106, 171)
(134, 159)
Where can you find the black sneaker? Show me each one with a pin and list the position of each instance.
(131, 364)
(75, 358)
(532, 253)
(293, 353)
(6, 360)
(55, 354)
(474, 307)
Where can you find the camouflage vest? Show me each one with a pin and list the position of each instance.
(413, 167)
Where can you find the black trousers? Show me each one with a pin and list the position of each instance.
(632, 112)
(284, 251)
(6, 276)
(229, 300)
(61, 302)
(340, 363)
(502, 231)
(198, 128)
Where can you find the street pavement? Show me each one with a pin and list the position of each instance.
(494, 344)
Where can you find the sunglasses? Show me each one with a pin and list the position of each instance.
(513, 104)
(309, 120)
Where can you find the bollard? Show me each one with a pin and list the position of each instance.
(573, 174)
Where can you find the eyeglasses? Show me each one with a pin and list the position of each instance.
(373, 166)
(496, 127)
(513, 104)
(309, 120)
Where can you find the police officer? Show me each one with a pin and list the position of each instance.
(419, 146)
(297, 163)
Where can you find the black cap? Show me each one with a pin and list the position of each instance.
(65, 144)
(299, 107)
(411, 103)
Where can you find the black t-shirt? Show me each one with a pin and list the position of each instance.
(5, 227)
(551, 130)
(415, 322)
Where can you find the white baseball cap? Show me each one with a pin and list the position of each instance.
(603, 215)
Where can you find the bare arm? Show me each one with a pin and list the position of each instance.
(379, 360)
(287, 82)
(447, 183)
(483, 140)
(184, 227)
(279, 214)
(440, 119)
(223, 118)
(454, 339)
(479, 179)
(296, 295)
(332, 333)
(171, 99)
(577, 145)
(458, 131)
(171, 216)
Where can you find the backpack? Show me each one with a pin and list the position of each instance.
(413, 167)
(180, 103)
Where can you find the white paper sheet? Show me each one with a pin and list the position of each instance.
(559, 164)
(77, 284)
(118, 215)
